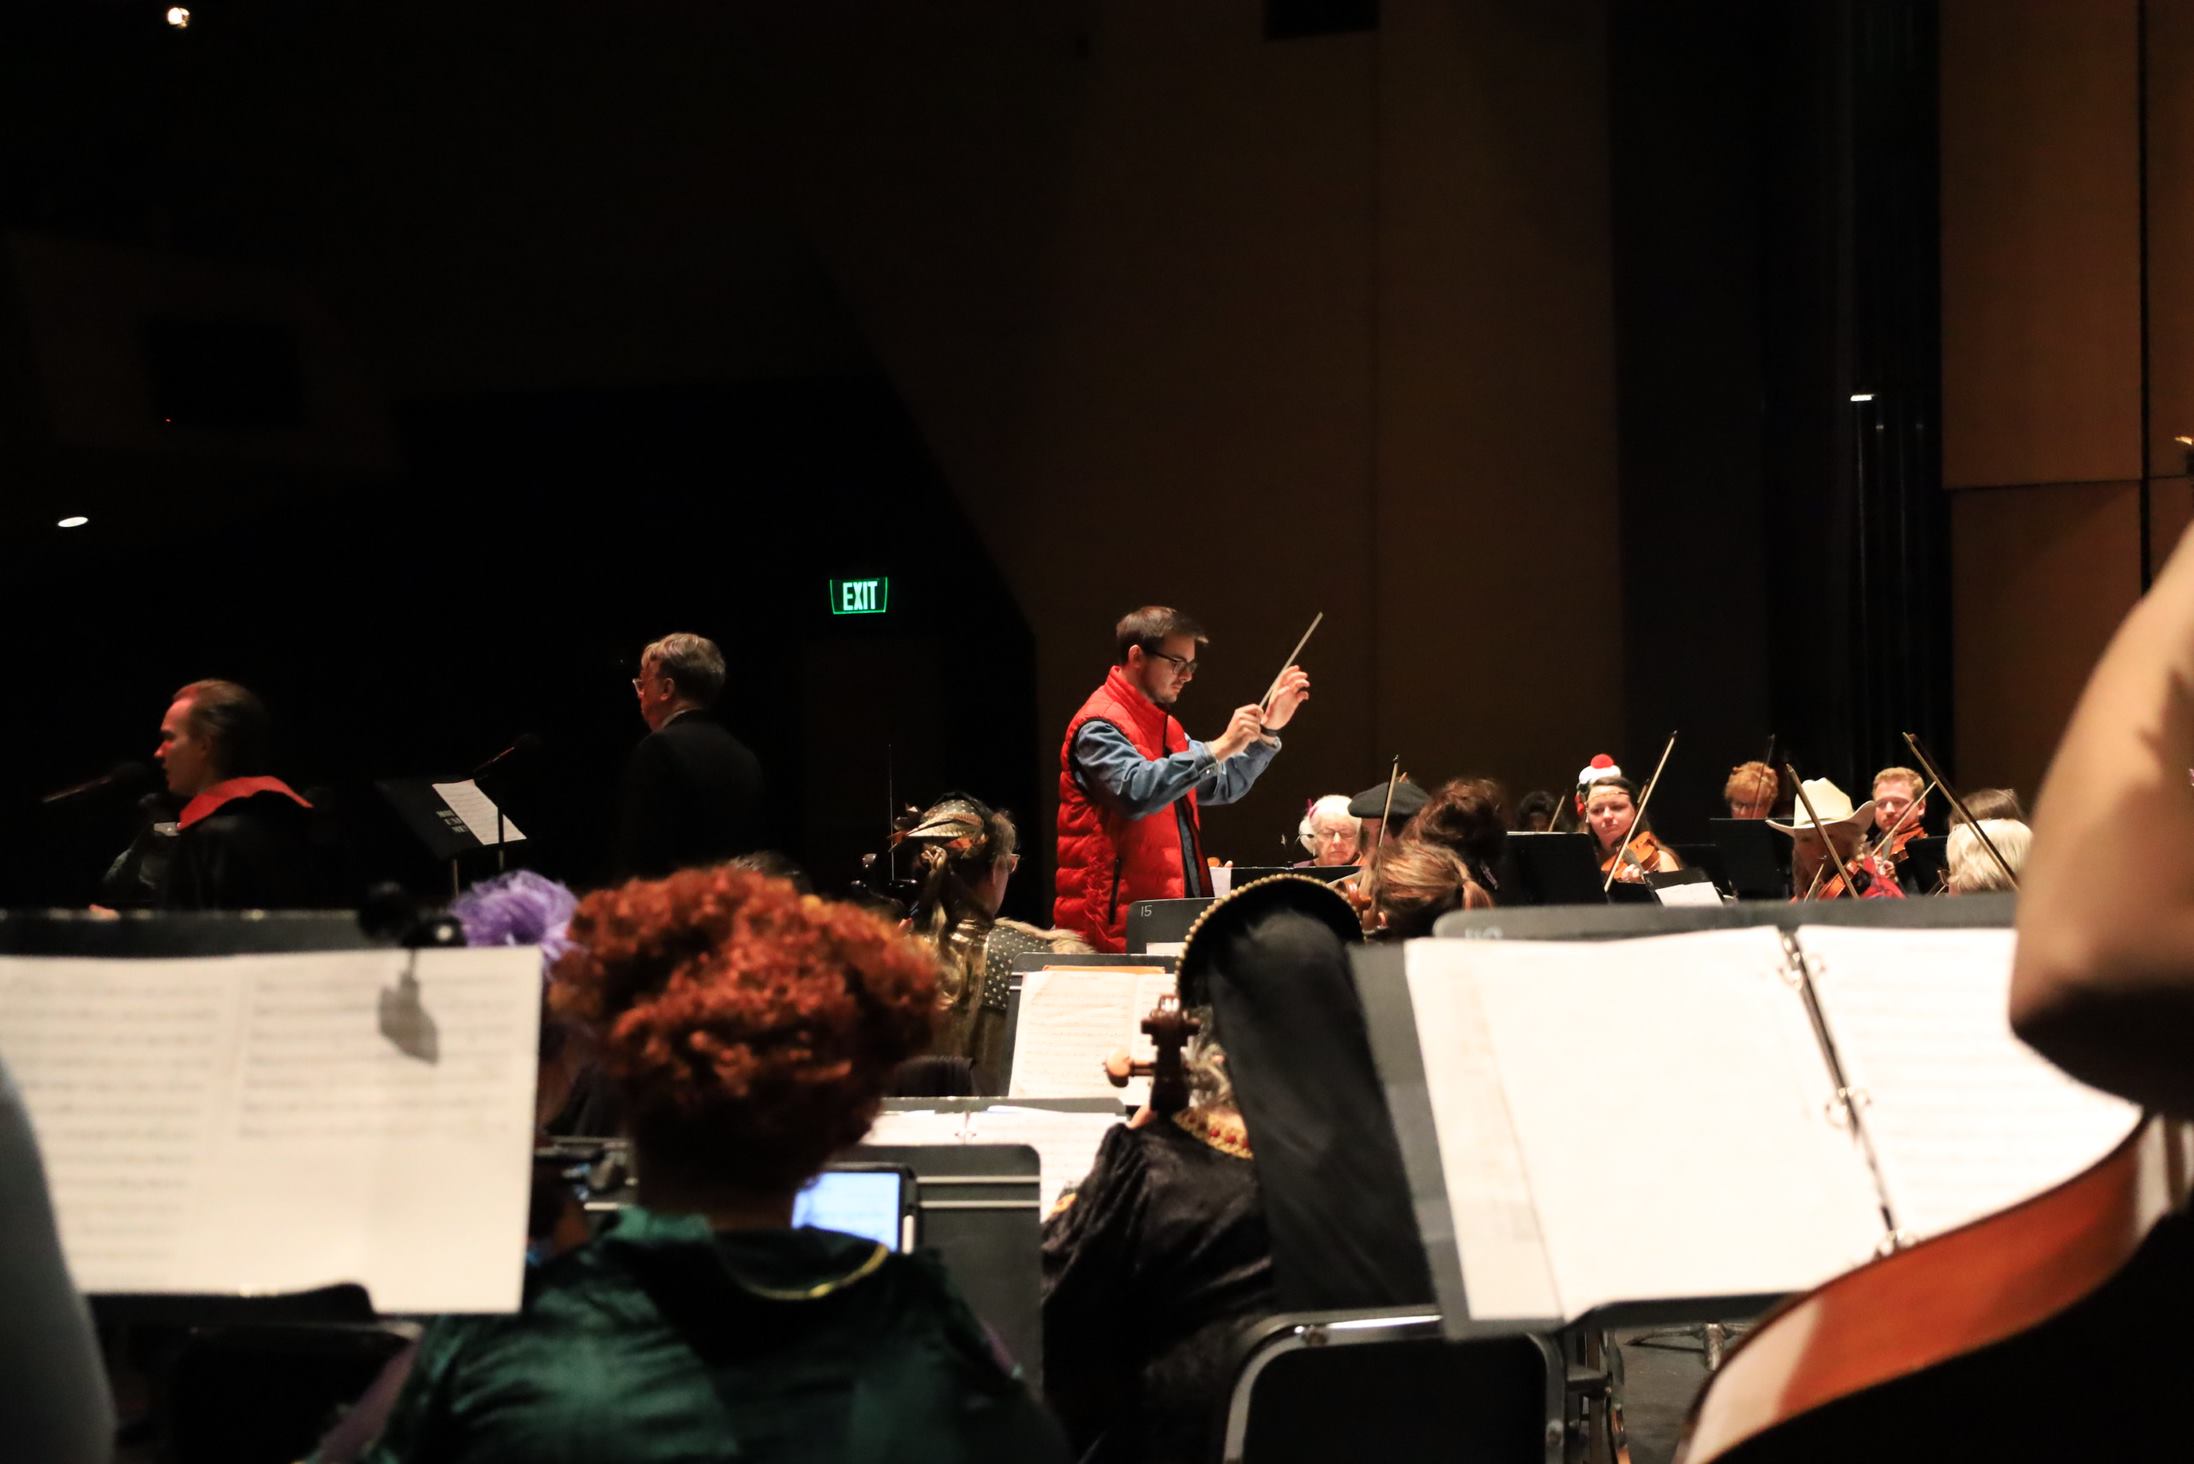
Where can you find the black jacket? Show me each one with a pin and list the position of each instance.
(252, 853)
(692, 795)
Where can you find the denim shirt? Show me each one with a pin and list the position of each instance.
(1133, 786)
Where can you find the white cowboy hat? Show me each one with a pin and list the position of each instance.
(1832, 803)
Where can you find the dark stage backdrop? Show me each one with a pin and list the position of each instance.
(416, 624)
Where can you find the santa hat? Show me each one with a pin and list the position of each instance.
(1601, 766)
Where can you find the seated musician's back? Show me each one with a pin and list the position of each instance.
(750, 1032)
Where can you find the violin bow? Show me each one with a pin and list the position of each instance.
(1965, 813)
(1651, 783)
(1828, 842)
(1386, 809)
(1904, 819)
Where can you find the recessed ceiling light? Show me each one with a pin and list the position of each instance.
(74, 521)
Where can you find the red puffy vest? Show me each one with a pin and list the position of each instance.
(1107, 862)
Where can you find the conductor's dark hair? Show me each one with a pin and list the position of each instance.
(1150, 628)
(233, 723)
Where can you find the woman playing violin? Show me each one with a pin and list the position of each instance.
(1611, 813)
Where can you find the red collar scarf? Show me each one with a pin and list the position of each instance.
(227, 791)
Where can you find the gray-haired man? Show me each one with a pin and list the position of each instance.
(692, 792)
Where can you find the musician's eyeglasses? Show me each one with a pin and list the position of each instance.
(1181, 664)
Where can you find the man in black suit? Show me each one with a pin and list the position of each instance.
(692, 792)
(243, 839)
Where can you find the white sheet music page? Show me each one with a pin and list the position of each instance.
(1966, 1119)
(1065, 1143)
(1666, 1101)
(470, 803)
(918, 1126)
(1074, 1017)
(281, 1122)
(1506, 1271)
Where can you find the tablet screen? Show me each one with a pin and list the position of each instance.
(863, 1202)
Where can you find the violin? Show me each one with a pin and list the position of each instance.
(1359, 889)
(1639, 856)
(1169, 1028)
(1869, 876)
(1624, 865)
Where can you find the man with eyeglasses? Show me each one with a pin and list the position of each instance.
(1131, 780)
(692, 792)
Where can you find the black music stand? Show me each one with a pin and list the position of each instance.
(1709, 858)
(437, 826)
(1161, 922)
(1555, 869)
(1330, 873)
(1756, 857)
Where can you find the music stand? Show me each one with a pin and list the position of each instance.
(1162, 924)
(1330, 873)
(1757, 857)
(1707, 857)
(1556, 869)
(443, 830)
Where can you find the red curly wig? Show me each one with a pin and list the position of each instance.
(751, 1029)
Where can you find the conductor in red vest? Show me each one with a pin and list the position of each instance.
(1130, 780)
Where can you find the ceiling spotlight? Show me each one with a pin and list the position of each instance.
(73, 521)
(178, 17)
(1862, 396)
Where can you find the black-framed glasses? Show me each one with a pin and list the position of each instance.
(1183, 664)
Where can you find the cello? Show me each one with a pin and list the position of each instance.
(1918, 1354)
(1169, 1027)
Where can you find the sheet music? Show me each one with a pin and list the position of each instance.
(1065, 1143)
(1072, 1018)
(924, 1126)
(1506, 1271)
(1666, 1105)
(276, 1122)
(1965, 1118)
(470, 804)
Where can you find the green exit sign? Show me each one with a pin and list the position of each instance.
(860, 597)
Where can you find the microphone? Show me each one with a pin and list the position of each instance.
(124, 777)
(524, 746)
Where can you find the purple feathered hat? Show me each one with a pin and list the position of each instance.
(518, 908)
